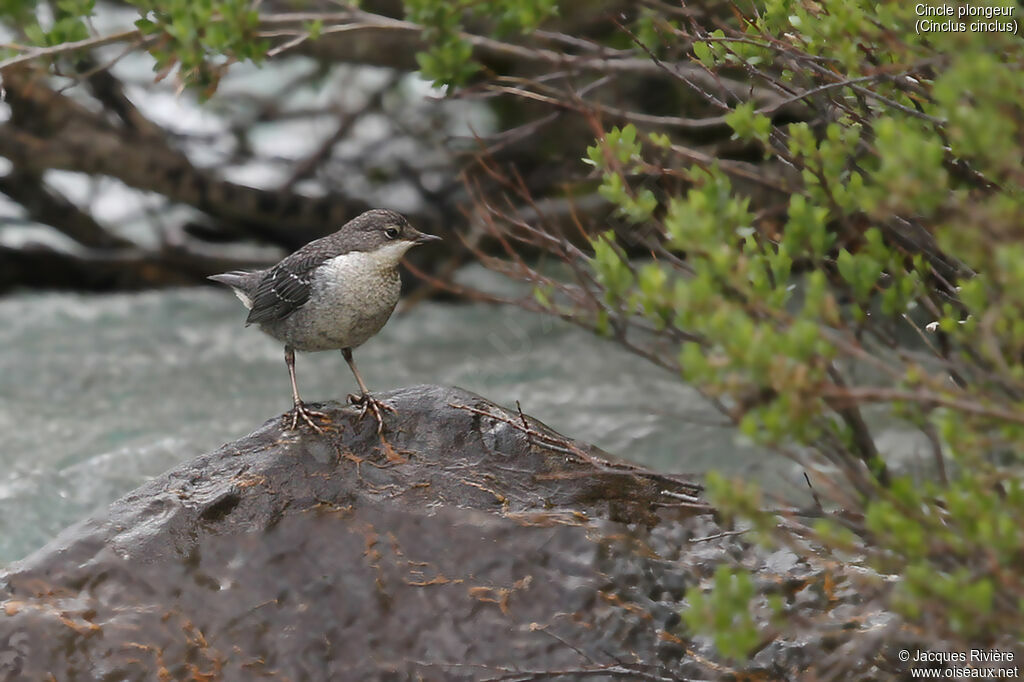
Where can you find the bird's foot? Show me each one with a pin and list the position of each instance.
(368, 403)
(300, 411)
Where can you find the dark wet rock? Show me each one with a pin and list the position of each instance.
(477, 543)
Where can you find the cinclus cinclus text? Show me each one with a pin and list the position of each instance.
(333, 293)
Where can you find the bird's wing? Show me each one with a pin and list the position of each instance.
(284, 289)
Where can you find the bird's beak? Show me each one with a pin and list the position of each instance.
(423, 238)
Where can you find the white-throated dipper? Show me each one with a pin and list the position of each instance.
(334, 293)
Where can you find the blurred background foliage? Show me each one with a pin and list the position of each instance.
(811, 211)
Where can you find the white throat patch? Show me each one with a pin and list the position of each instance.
(387, 256)
(365, 264)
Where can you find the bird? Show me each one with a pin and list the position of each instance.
(334, 293)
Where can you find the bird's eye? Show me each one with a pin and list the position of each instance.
(391, 233)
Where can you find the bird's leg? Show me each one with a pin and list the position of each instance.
(298, 409)
(367, 401)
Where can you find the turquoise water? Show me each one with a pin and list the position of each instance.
(99, 393)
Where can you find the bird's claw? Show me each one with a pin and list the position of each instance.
(368, 403)
(307, 415)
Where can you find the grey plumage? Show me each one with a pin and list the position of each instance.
(275, 293)
(242, 282)
(333, 293)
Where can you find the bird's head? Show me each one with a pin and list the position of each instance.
(385, 233)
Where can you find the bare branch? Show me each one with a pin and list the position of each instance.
(30, 54)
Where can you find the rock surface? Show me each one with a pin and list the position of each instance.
(475, 544)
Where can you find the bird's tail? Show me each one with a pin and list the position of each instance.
(241, 282)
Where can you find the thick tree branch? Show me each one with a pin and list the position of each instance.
(49, 207)
(50, 131)
(107, 269)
